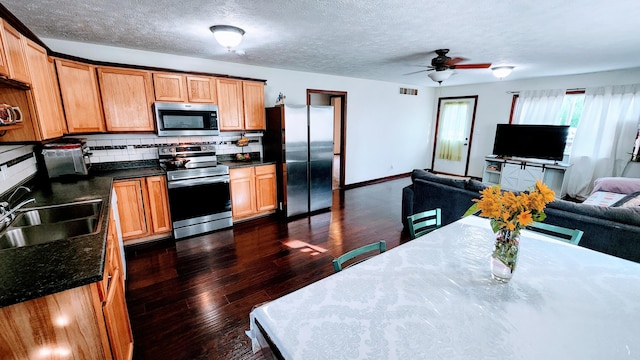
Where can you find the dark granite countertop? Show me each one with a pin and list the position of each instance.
(240, 164)
(34, 271)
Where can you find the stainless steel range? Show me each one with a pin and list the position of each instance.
(198, 187)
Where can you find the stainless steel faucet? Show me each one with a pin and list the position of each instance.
(7, 213)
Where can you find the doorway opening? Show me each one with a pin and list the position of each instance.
(337, 99)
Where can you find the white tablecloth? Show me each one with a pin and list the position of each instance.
(433, 298)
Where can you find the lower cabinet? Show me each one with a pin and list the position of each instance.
(143, 206)
(90, 321)
(253, 191)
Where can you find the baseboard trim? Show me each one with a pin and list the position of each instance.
(376, 181)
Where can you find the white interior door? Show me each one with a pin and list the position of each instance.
(453, 135)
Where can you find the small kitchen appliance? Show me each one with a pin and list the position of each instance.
(69, 157)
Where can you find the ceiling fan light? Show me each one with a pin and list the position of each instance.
(227, 35)
(440, 76)
(502, 71)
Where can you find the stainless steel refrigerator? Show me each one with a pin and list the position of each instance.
(300, 139)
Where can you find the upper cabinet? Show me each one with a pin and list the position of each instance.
(15, 47)
(46, 95)
(127, 98)
(202, 89)
(241, 105)
(184, 88)
(80, 96)
(230, 111)
(169, 87)
(254, 112)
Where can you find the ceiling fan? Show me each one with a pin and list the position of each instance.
(444, 66)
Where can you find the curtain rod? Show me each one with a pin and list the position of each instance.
(567, 90)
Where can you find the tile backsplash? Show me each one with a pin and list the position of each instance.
(131, 147)
(17, 164)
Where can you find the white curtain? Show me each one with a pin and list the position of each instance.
(604, 137)
(539, 107)
(451, 132)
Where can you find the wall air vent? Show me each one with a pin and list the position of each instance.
(406, 91)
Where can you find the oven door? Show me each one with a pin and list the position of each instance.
(199, 205)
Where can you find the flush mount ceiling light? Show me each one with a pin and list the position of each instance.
(502, 71)
(440, 76)
(227, 35)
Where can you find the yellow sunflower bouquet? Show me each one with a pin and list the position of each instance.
(511, 212)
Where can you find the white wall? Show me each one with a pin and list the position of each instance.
(387, 133)
(494, 103)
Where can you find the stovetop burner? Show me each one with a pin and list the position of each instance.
(197, 156)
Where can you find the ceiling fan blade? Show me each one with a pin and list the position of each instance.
(471, 66)
(419, 71)
(454, 61)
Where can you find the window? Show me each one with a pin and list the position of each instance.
(570, 112)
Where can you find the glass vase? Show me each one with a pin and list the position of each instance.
(505, 255)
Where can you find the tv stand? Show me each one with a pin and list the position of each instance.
(519, 174)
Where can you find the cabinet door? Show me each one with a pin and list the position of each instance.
(169, 87)
(230, 110)
(116, 317)
(254, 112)
(510, 176)
(266, 198)
(131, 208)
(4, 65)
(46, 95)
(202, 89)
(15, 53)
(158, 204)
(127, 97)
(80, 96)
(243, 187)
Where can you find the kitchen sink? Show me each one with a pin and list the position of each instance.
(57, 213)
(40, 234)
(51, 223)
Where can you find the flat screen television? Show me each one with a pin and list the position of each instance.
(531, 141)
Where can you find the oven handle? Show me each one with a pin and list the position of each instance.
(198, 181)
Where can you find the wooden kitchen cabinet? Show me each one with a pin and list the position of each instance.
(230, 107)
(241, 105)
(253, 191)
(15, 56)
(143, 206)
(80, 97)
(202, 89)
(158, 204)
(46, 94)
(86, 321)
(127, 99)
(170, 87)
(254, 112)
(4, 65)
(131, 207)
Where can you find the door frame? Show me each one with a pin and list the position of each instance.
(343, 126)
(473, 120)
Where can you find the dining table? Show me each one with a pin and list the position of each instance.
(433, 298)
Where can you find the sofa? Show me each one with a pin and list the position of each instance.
(610, 230)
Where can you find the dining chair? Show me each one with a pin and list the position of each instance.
(424, 222)
(571, 236)
(380, 247)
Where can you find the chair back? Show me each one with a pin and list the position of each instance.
(424, 222)
(378, 247)
(571, 236)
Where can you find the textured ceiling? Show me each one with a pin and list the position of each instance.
(381, 40)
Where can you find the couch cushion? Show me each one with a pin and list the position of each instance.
(630, 216)
(475, 185)
(425, 175)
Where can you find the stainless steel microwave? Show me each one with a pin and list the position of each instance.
(180, 119)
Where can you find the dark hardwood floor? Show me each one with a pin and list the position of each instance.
(190, 299)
